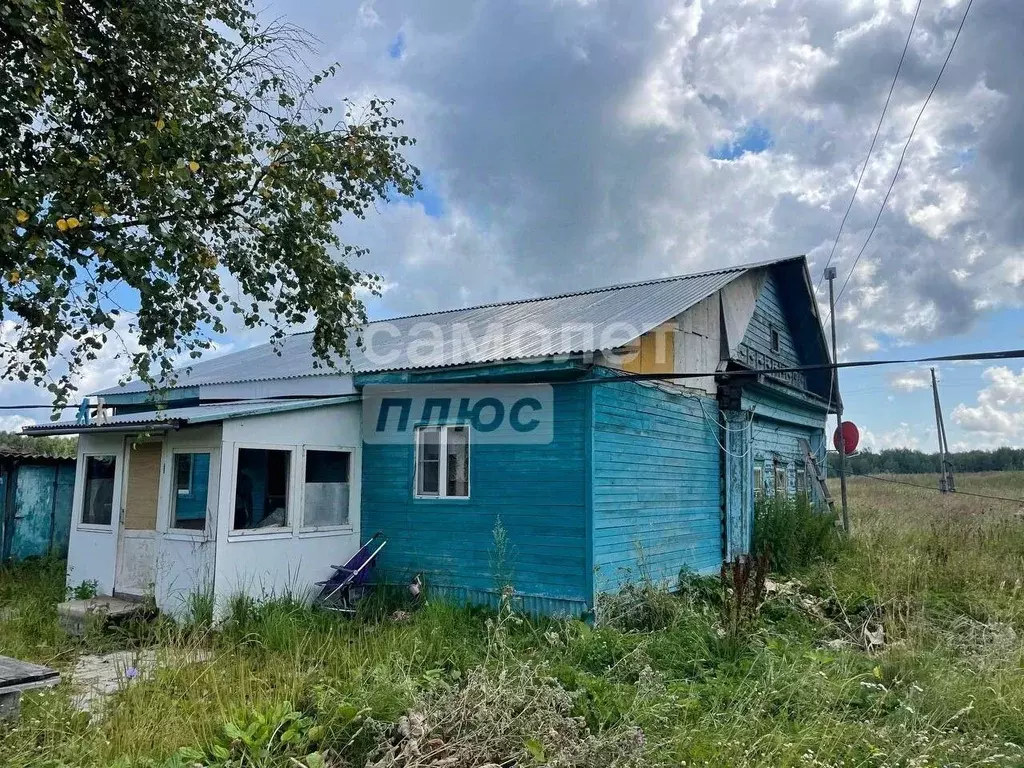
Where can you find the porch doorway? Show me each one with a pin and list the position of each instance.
(136, 545)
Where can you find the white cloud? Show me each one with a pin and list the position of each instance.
(911, 379)
(903, 435)
(14, 422)
(998, 416)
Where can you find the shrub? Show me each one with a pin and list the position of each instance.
(793, 533)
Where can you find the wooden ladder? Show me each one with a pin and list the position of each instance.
(818, 476)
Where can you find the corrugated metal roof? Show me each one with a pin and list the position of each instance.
(30, 454)
(197, 414)
(586, 321)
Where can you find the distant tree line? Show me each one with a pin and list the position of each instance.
(904, 461)
(66, 447)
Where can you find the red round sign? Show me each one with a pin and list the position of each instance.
(851, 435)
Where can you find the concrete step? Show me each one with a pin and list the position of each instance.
(75, 616)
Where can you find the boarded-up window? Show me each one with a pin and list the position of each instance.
(98, 497)
(327, 488)
(192, 484)
(442, 461)
(261, 488)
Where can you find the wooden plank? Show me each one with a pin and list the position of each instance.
(816, 473)
(143, 487)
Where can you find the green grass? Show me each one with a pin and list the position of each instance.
(665, 684)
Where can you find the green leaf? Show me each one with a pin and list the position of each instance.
(536, 750)
(220, 752)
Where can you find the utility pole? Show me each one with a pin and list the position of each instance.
(946, 482)
(830, 275)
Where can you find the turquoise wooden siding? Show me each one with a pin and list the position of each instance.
(35, 507)
(756, 348)
(656, 485)
(780, 422)
(539, 492)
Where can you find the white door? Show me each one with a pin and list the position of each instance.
(136, 541)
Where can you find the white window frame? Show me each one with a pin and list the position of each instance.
(759, 480)
(115, 500)
(442, 480)
(277, 532)
(352, 499)
(172, 513)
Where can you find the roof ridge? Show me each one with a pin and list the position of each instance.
(601, 289)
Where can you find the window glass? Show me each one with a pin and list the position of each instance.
(98, 497)
(775, 340)
(458, 461)
(801, 482)
(758, 481)
(261, 488)
(327, 488)
(192, 483)
(428, 448)
(183, 473)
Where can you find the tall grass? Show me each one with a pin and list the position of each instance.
(794, 533)
(664, 686)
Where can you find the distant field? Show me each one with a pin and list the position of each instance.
(869, 495)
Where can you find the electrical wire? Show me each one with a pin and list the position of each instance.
(863, 170)
(937, 490)
(903, 155)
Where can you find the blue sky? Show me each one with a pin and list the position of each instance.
(567, 145)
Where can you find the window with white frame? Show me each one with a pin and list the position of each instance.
(98, 494)
(261, 488)
(442, 461)
(192, 486)
(327, 486)
(758, 481)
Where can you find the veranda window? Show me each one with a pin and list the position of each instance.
(98, 495)
(192, 484)
(327, 488)
(261, 488)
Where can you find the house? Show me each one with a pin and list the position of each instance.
(35, 503)
(541, 420)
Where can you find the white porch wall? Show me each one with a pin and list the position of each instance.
(92, 550)
(287, 560)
